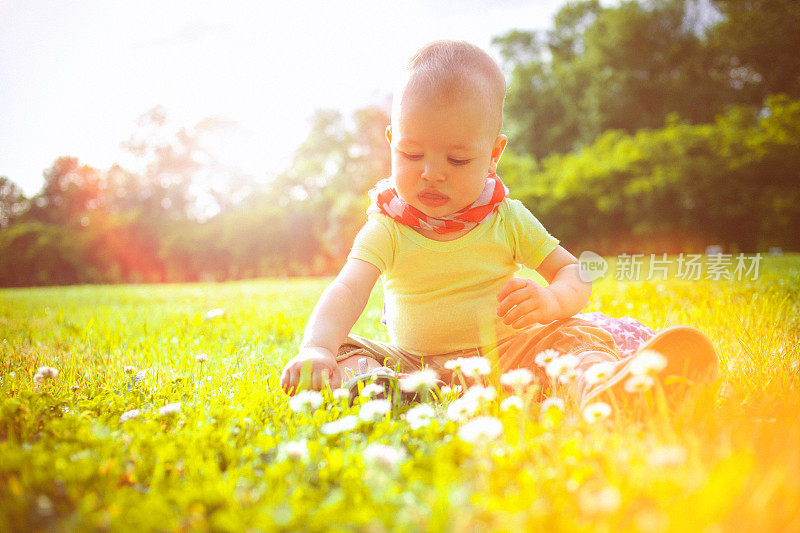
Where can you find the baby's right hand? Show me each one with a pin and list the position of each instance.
(311, 368)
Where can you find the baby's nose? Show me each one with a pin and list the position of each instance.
(431, 173)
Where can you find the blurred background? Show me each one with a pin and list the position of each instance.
(185, 141)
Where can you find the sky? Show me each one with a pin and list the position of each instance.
(75, 76)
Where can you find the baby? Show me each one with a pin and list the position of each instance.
(447, 242)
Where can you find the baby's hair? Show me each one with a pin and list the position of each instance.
(455, 66)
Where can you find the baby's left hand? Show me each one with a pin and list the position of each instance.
(523, 302)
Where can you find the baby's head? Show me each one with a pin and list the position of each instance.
(445, 131)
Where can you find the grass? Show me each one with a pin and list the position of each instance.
(725, 458)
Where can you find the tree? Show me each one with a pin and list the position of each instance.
(759, 40)
(12, 202)
(332, 171)
(184, 177)
(70, 191)
(628, 67)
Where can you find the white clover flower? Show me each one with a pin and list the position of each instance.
(639, 383)
(596, 411)
(667, 456)
(38, 378)
(201, 358)
(546, 357)
(296, 450)
(140, 376)
(217, 312)
(342, 425)
(511, 401)
(481, 429)
(419, 416)
(374, 410)
(383, 455)
(129, 415)
(481, 394)
(371, 390)
(170, 409)
(473, 367)
(517, 378)
(570, 376)
(305, 399)
(553, 402)
(129, 369)
(461, 409)
(605, 500)
(420, 381)
(599, 373)
(341, 394)
(647, 362)
(454, 364)
(47, 372)
(561, 365)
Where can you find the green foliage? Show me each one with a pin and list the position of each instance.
(331, 173)
(40, 254)
(647, 99)
(759, 40)
(724, 457)
(629, 66)
(682, 187)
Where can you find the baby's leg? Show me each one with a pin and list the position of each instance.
(629, 334)
(589, 343)
(688, 353)
(356, 364)
(358, 355)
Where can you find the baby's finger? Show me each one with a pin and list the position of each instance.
(291, 381)
(525, 321)
(324, 378)
(526, 307)
(511, 286)
(529, 319)
(516, 298)
(336, 377)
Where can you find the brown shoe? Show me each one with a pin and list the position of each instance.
(690, 356)
(689, 352)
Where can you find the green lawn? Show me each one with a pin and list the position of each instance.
(236, 457)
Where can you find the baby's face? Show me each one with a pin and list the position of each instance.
(442, 149)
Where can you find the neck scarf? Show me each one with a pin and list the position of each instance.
(386, 200)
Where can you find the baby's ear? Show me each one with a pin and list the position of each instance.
(497, 151)
(388, 133)
(499, 145)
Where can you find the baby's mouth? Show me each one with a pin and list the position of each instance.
(432, 198)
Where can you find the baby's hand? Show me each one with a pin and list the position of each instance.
(523, 302)
(311, 368)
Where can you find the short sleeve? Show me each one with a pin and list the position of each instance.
(531, 241)
(374, 243)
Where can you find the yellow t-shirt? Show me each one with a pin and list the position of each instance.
(442, 296)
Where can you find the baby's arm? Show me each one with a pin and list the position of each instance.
(523, 302)
(337, 310)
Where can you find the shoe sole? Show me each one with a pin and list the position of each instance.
(691, 358)
(688, 351)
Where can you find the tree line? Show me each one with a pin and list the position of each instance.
(661, 125)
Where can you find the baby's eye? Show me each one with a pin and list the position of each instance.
(458, 162)
(412, 157)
